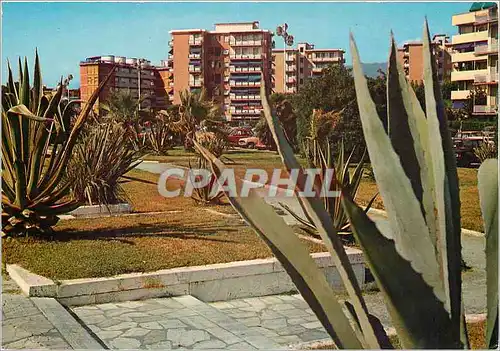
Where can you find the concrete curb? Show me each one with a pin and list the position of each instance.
(216, 282)
(72, 331)
(464, 231)
(101, 210)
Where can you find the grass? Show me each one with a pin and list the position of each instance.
(184, 234)
(268, 160)
(469, 196)
(476, 332)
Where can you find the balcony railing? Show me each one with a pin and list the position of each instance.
(244, 84)
(485, 18)
(289, 58)
(195, 41)
(245, 42)
(246, 112)
(171, 43)
(291, 80)
(244, 97)
(246, 56)
(317, 69)
(485, 109)
(245, 69)
(291, 68)
(490, 77)
(194, 56)
(194, 69)
(195, 83)
(170, 57)
(325, 59)
(486, 49)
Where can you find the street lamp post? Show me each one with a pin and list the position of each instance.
(66, 84)
(139, 66)
(281, 31)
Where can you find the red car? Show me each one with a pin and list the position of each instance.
(238, 133)
(253, 143)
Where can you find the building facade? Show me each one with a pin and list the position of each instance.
(475, 58)
(136, 76)
(292, 67)
(411, 56)
(228, 62)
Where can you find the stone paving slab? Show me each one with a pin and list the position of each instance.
(169, 323)
(23, 324)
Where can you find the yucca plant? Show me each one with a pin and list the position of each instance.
(417, 264)
(345, 180)
(160, 138)
(100, 160)
(485, 151)
(37, 143)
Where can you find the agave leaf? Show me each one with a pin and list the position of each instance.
(294, 257)
(417, 123)
(399, 121)
(408, 226)
(315, 210)
(419, 317)
(23, 111)
(488, 196)
(37, 85)
(11, 85)
(447, 192)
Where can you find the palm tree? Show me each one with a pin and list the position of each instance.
(122, 107)
(194, 111)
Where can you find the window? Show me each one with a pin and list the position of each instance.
(226, 38)
(301, 81)
(217, 51)
(301, 70)
(217, 78)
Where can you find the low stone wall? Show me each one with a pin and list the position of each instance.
(216, 282)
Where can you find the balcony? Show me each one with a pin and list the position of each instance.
(470, 37)
(245, 42)
(246, 112)
(291, 80)
(170, 56)
(326, 59)
(244, 97)
(485, 109)
(171, 43)
(460, 94)
(233, 83)
(195, 83)
(291, 68)
(289, 58)
(317, 69)
(245, 57)
(194, 69)
(195, 41)
(491, 77)
(467, 75)
(465, 56)
(195, 56)
(234, 69)
(486, 18)
(491, 48)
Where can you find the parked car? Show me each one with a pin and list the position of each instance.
(253, 142)
(238, 133)
(464, 151)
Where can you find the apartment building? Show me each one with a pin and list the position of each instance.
(411, 56)
(229, 62)
(136, 76)
(475, 57)
(292, 67)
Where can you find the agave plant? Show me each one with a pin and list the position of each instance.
(101, 158)
(344, 181)
(37, 143)
(417, 264)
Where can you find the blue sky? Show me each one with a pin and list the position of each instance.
(66, 33)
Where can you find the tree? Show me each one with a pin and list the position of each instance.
(284, 111)
(193, 112)
(122, 106)
(477, 96)
(333, 92)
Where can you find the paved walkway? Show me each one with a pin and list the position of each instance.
(23, 324)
